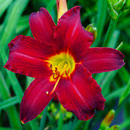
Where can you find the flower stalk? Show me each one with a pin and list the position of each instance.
(115, 10)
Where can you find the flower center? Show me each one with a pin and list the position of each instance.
(62, 65)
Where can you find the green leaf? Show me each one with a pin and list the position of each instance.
(9, 102)
(23, 24)
(114, 94)
(2, 128)
(11, 20)
(50, 5)
(11, 111)
(4, 5)
(124, 74)
(101, 17)
(125, 124)
(43, 120)
(125, 93)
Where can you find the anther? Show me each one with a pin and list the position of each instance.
(55, 69)
(51, 66)
(55, 76)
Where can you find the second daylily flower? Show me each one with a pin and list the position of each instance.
(60, 59)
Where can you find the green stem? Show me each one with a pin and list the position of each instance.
(110, 31)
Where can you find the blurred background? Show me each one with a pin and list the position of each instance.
(112, 20)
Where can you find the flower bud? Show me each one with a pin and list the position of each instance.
(61, 8)
(92, 29)
(115, 127)
(114, 6)
(107, 120)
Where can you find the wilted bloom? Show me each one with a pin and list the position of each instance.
(61, 60)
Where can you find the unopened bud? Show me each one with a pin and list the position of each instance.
(115, 127)
(113, 13)
(114, 6)
(107, 120)
(92, 29)
(61, 8)
(119, 4)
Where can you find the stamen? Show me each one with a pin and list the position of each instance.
(55, 75)
(55, 69)
(52, 91)
(59, 77)
(50, 66)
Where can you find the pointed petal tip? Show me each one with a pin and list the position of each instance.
(42, 9)
(8, 67)
(23, 118)
(35, 99)
(41, 21)
(72, 11)
(5, 66)
(103, 59)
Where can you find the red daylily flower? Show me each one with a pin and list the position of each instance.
(60, 59)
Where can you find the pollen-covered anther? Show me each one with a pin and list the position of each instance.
(55, 75)
(50, 66)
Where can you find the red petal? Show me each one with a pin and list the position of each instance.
(42, 25)
(101, 59)
(35, 99)
(81, 95)
(71, 35)
(26, 57)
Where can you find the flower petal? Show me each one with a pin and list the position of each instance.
(81, 95)
(27, 55)
(42, 25)
(35, 99)
(101, 59)
(70, 34)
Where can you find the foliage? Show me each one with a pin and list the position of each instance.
(112, 23)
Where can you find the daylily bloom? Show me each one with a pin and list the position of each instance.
(61, 60)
